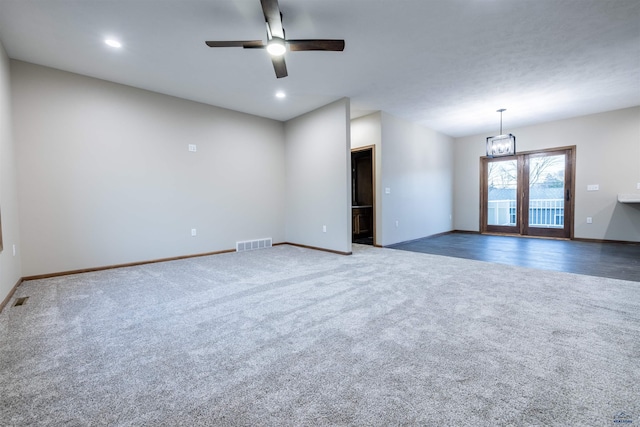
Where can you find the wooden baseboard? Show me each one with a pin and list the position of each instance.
(129, 264)
(133, 264)
(10, 294)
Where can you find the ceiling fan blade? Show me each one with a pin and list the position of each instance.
(235, 43)
(279, 66)
(273, 17)
(318, 44)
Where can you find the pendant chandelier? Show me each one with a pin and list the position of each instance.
(502, 144)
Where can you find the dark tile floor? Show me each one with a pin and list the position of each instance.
(613, 260)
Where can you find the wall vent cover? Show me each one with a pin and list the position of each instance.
(250, 245)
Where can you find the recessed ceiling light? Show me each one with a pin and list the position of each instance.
(281, 94)
(113, 43)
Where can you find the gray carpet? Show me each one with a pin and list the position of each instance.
(294, 337)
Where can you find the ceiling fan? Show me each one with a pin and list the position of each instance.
(277, 44)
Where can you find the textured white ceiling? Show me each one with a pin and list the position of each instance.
(447, 64)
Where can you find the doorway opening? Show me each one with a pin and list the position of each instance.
(529, 194)
(363, 195)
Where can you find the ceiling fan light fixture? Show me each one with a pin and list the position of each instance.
(276, 47)
(113, 43)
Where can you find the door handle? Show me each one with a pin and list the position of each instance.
(568, 195)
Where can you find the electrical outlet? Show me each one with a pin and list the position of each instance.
(589, 220)
(387, 190)
(193, 148)
(193, 232)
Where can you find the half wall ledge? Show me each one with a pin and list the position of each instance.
(629, 198)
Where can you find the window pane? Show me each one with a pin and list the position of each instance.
(546, 191)
(503, 183)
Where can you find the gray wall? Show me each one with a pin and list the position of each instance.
(10, 264)
(105, 175)
(318, 178)
(417, 168)
(366, 131)
(608, 154)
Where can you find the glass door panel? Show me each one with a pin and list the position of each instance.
(546, 191)
(502, 203)
(501, 208)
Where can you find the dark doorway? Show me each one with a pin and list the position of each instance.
(362, 195)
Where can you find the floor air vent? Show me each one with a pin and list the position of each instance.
(20, 301)
(249, 245)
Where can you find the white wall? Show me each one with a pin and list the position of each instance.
(105, 175)
(417, 167)
(318, 190)
(365, 131)
(10, 265)
(607, 154)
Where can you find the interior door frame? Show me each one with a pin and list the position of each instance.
(522, 228)
(373, 186)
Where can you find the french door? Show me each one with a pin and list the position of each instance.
(530, 194)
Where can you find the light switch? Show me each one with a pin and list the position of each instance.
(589, 220)
(387, 190)
(593, 187)
(193, 232)
(638, 186)
(192, 147)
